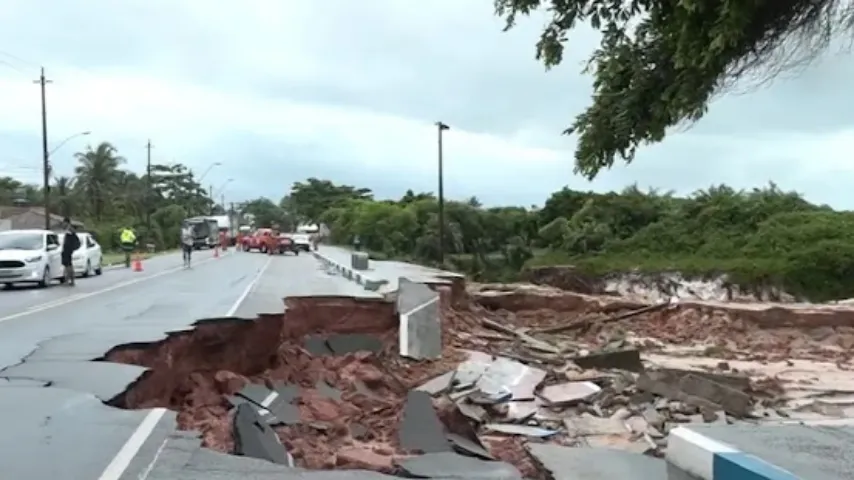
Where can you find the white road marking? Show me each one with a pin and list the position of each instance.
(248, 290)
(130, 449)
(67, 300)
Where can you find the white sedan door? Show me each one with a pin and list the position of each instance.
(93, 252)
(54, 255)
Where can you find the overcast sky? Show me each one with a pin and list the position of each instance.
(280, 90)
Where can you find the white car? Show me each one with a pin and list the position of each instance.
(87, 259)
(302, 241)
(30, 256)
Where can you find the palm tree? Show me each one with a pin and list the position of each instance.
(64, 195)
(97, 175)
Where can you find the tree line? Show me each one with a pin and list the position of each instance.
(760, 238)
(107, 197)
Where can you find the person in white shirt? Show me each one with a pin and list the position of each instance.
(187, 243)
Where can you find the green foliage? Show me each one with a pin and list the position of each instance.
(660, 63)
(758, 239)
(107, 198)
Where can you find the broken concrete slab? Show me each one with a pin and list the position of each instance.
(327, 390)
(316, 346)
(93, 344)
(567, 393)
(733, 401)
(627, 359)
(738, 382)
(254, 438)
(469, 447)
(580, 463)
(344, 343)
(451, 465)
(420, 429)
(275, 409)
(439, 384)
(586, 424)
(506, 375)
(420, 329)
(105, 380)
(521, 430)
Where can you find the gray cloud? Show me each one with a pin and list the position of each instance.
(450, 62)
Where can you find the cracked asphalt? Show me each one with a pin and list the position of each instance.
(54, 422)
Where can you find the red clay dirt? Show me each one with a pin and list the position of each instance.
(770, 331)
(193, 373)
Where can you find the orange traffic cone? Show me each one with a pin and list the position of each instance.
(216, 251)
(137, 263)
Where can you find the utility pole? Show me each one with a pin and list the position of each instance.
(441, 127)
(148, 190)
(45, 152)
(211, 196)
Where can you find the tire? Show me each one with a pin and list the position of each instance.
(100, 269)
(263, 249)
(8, 286)
(296, 252)
(45, 281)
(88, 269)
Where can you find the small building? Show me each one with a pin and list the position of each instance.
(25, 218)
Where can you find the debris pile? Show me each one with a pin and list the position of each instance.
(525, 372)
(769, 332)
(615, 405)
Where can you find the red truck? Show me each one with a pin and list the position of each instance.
(259, 240)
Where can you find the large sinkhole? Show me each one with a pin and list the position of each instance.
(341, 390)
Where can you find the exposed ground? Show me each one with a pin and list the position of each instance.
(783, 353)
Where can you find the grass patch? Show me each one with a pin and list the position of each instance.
(117, 258)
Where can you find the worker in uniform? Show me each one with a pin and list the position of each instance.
(128, 242)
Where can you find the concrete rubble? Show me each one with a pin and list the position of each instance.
(525, 379)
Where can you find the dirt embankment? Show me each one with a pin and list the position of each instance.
(653, 286)
(195, 372)
(768, 330)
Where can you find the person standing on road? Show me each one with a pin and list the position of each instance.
(187, 238)
(128, 241)
(70, 244)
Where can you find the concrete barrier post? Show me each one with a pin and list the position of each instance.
(420, 321)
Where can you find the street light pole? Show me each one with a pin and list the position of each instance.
(441, 127)
(148, 196)
(45, 153)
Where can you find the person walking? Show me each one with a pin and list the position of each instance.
(187, 243)
(70, 243)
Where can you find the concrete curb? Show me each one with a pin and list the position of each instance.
(708, 459)
(368, 283)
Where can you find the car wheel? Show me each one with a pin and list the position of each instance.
(88, 270)
(100, 269)
(45, 281)
(296, 252)
(264, 249)
(7, 286)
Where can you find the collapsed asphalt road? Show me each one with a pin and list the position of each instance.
(55, 422)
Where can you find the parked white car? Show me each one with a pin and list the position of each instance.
(88, 259)
(30, 256)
